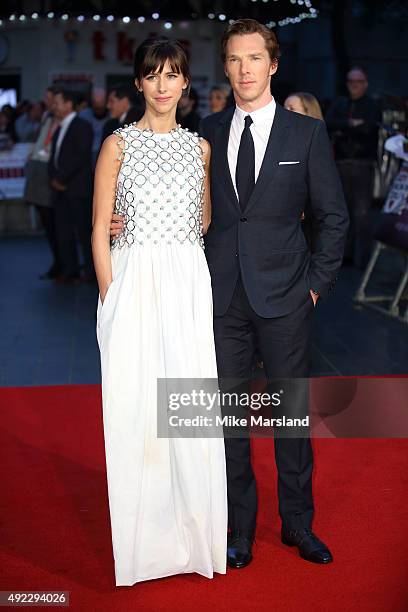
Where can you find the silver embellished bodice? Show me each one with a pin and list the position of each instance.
(159, 187)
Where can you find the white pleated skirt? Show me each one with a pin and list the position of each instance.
(167, 496)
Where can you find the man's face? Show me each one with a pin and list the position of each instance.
(48, 99)
(35, 113)
(99, 104)
(356, 84)
(249, 68)
(61, 108)
(117, 106)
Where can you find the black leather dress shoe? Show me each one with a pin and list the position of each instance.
(310, 547)
(239, 551)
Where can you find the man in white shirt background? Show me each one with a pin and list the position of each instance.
(37, 188)
(70, 171)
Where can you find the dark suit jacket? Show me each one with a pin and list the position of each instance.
(133, 115)
(265, 242)
(190, 121)
(74, 160)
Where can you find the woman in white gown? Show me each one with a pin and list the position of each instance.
(167, 496)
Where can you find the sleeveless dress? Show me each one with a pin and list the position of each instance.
(167, 496)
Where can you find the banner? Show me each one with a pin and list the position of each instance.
(12, 170)
(392, 228)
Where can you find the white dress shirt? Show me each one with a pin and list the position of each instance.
(260, 130)
(64, 125)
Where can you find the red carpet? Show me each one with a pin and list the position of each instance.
(55, 532)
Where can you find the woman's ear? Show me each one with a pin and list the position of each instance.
(186, 87)
(137, 85)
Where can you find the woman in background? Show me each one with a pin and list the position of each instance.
(218, 98)
(305, 104)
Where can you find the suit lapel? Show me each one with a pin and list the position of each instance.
(275, 149)
(67, 135)
(54, 145)
(222, 166)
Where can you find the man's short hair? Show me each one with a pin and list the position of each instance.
(359, 69)
(240, 27)
(122, 91)
(67, 95)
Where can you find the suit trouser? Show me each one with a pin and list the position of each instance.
(357, 177)
(283, 343)
(73, 218)
(47, 216)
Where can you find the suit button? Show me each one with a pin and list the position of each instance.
(243, 219)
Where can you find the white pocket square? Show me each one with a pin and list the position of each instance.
(288, 162)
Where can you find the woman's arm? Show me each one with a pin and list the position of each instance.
(106, 174)
(205, 145)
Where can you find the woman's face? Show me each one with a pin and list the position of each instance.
(162, 90)
(293, 103)
(217, 100)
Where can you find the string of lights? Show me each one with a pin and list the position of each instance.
(306, 12)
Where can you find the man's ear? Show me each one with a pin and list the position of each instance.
(274, 67)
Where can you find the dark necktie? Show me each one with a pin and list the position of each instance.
(245, 172)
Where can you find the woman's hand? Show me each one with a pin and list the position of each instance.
(104, 292)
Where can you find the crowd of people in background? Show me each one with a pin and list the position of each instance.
(68, 130)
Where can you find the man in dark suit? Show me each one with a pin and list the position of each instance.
(266, 165)
(123, 109)
(353, 122)
(70, 172)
